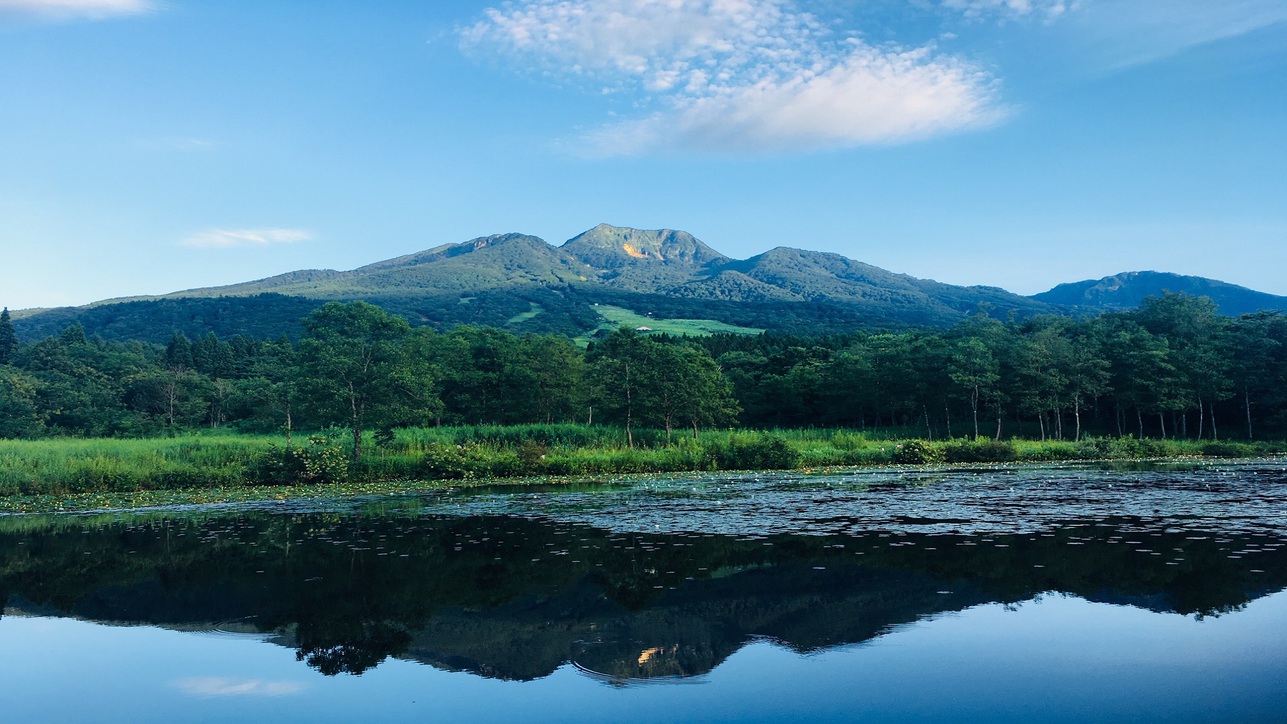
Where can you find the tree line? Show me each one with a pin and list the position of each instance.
(1172, 368)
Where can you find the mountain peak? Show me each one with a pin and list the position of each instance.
(1128, 289)
(609, 247)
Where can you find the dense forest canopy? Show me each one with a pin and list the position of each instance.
(1172, 368)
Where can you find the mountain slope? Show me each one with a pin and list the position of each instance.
(524, 284)
(641, 261)
(1128, 290)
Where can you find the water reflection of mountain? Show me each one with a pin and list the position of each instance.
(516, 598)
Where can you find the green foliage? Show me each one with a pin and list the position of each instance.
(8, 338)
(754, 452)
(357, 371)
(980, 451)
(918, 452)
(1229, 450)
(320, 462)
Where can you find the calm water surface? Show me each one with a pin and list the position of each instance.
(1001, 594)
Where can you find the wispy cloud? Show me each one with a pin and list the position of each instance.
(212, 686)
(739, 75)
(226, 238)
(1048, 9)
(1137, 32)
(66, 9)
(178, 143)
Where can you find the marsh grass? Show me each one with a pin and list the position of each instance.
(55, 467)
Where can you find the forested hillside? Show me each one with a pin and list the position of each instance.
(1129, 290)
(1173, 368)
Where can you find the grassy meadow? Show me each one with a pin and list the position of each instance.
(265, 466)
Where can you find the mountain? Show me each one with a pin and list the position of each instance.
(520, 282)
(1128, 290)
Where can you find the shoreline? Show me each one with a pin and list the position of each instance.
(157, 500)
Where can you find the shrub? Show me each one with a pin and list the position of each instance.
(980, 451)
(761, 452)
(1228, 450)
(321, 461)
(917, 452)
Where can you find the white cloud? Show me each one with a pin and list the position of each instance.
(225, 238)
(868, 97)
(61, 9)
(733, 75)
(210, 686)
(1049, 9)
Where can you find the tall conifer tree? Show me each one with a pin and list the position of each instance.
(8, 340)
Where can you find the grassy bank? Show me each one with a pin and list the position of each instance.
(60, 467)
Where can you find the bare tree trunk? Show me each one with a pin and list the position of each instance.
(998, 437)
(1161, 422)
(288, 424)
(947, 417)
(1077, 416)
(694, 428)
(1246, 399)
(974, 407)
(1139, 417)
(630, 438)
(1215, 432)
(929, 431)
(1041, 421)
(1202, 419)
(356, 409)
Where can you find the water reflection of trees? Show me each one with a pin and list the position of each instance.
(516, 598)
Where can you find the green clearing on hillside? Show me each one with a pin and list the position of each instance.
(618, 317)
(524, 316)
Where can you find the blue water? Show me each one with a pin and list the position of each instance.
(1018, 594)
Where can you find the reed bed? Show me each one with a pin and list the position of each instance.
(65, 466)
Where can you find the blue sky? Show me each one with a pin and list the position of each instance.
(148, 146)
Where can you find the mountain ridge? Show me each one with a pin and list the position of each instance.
(1127, 290)
(522, 283)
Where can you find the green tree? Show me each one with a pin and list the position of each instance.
(1198, 337)
(8, 339)
(553, 378)
(271, 391)
(178, 353)
(621, 377)
(19, 411)
(354, 369)
(709, 400)
(1258, 370)
(975, 370)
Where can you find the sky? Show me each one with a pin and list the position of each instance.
(148, 146)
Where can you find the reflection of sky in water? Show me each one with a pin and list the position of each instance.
(1054, 658)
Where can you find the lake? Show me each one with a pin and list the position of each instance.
(1074, 593)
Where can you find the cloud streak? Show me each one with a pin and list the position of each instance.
(1135, 33)
(222, 686)
(228, 238)
(738, 75)
(68, 9)
(1049, 9)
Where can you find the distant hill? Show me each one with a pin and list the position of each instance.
(1129, 289)
(522, 283)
